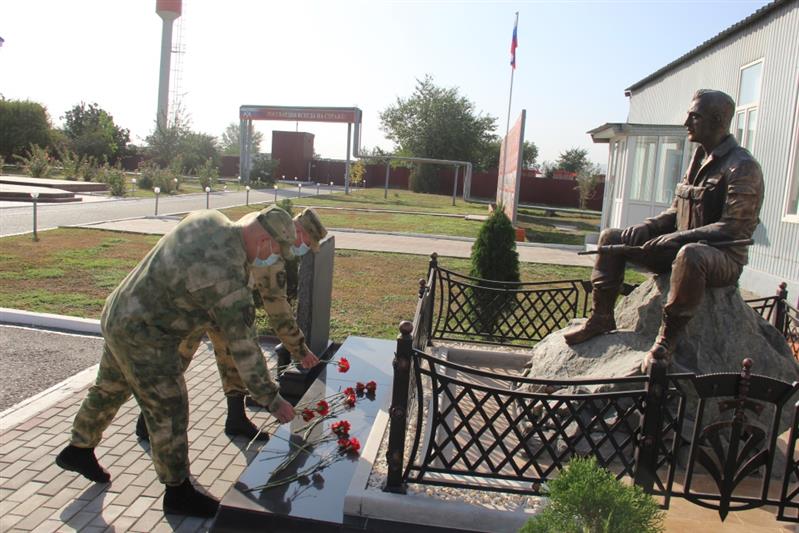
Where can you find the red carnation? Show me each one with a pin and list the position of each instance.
(349, 391)
(307, 414)
(343, 365)
(360, 387)
(341, 428)
(353, 445)
(350, 400)
(343, 442)
(322, 407)
(371, 387)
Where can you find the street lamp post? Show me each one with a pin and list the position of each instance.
(247, 188)
(239, 178)
(35, 196)
(157, 191)
(132, 186)
(176, 184)
(299, 190)
(275, 192)
(317, 188)
(207, 197)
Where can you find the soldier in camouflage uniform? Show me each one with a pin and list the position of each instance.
(270, 281)
(199, 277)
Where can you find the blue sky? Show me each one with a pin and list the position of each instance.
(573, 62)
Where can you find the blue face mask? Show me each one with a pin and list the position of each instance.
(300, 250)
(269, 261)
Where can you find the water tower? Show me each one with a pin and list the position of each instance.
(168, 10)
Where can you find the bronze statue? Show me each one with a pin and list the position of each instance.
(718, 199)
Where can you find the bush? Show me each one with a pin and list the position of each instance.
(493, 258)
(38, 163)
(148, 173)
(208, 174)
(263, 169)
(585, 498)
(114, 178)
(76, 167)
(424, 178)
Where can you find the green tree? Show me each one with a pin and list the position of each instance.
(357, 172)
(231, 139)
(439, 123)
(22, 123)
(168, 142)
(585, 498)
(573, 160)
(489, 159)
(494, 258)
(91, 132)
(263, 169)
(587, 180)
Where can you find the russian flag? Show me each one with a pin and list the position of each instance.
(514, 43)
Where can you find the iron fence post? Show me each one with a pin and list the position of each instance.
(433, 267)
(646, 451)
(398, 413)
(780, 317)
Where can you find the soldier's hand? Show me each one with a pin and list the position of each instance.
(669, 240)
(284, 412)
(635, 235)
(310, 360)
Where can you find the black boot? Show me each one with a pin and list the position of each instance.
(141, 428)
(237, 424)
(84, 462)
(186, 500)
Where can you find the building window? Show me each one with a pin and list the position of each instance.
(643, 169)
(670, 152)
(792, 199)
(747, 105)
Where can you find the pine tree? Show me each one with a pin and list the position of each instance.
(494, 258)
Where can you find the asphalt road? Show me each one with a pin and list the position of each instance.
(34, 360)
(19, 219)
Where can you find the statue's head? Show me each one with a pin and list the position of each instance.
(709, 116)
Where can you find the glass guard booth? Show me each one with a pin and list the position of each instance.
(645, 162)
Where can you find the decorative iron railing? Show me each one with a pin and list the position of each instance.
(458, 426)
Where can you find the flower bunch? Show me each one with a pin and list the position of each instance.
(369, 387)
(343, 365)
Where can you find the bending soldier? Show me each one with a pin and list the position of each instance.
(718, 199)
(196, 278)
(269, 279)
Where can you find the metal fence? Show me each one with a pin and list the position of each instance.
(454, 425)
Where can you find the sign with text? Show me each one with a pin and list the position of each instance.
(510, 168)
(300, 114)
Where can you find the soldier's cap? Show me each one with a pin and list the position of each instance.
(310, 222)
(279, 225)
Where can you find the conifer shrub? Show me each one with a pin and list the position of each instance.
(494, 258)
(586, 498)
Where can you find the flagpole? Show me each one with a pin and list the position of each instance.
(507, 126)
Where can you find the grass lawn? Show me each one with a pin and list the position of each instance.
(71, 271)
(562, 229)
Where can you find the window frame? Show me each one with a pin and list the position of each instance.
(748, 108)
(791, 201)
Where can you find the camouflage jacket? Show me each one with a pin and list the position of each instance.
(271, 285)
(196, 277)
(719, 198)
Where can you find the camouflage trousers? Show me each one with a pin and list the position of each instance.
(154, 376)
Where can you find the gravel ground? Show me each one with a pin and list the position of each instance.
(34, 360)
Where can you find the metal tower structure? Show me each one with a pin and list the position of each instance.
(168, 10)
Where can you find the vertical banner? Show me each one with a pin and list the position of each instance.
(510, 168)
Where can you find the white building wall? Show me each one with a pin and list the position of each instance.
(775, 39)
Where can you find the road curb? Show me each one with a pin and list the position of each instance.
(68, 324)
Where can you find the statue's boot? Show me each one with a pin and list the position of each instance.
(237, 424)
(662, 350)
(601, 319)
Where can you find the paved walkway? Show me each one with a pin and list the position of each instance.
(36, 495)
(558, 254)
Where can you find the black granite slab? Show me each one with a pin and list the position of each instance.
(312, 503)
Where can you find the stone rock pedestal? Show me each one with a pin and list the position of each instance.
(724, 331)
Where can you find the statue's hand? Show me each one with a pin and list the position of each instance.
(635, 235)
(669, 240)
